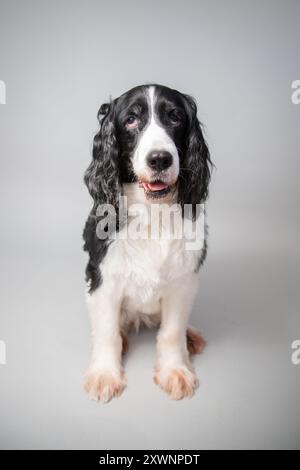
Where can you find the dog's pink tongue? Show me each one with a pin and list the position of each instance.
(155, 186)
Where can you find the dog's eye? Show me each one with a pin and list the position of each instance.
(131, 121)
(174, 116)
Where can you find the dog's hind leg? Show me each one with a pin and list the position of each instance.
(125, 342)
(195, 341)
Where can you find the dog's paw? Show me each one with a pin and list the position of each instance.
(195, 342)
(104, 385)
(178, 382)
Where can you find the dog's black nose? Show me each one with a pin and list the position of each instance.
(159, 160)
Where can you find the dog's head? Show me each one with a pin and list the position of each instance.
(150, 134)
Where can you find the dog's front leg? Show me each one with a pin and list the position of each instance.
(105, 378)
(173, 371)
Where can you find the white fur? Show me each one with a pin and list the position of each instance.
(151, 281)
(154, 137)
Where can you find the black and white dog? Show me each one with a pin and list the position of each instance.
(150, 151)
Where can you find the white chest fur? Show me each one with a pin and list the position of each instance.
(142, 265)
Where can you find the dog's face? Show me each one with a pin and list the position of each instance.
(150, 134)
(151, 125)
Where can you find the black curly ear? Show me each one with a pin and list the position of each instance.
(196, 165)
(102, 175)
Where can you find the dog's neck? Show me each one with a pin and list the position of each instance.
(163, 214)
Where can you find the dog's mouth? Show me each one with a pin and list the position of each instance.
(155, 189)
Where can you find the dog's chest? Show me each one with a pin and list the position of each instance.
(144, 267)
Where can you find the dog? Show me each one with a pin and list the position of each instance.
(150, 150)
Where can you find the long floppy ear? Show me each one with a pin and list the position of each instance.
(196, 165)
(102, 175)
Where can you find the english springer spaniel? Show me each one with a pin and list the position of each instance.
(149, 159)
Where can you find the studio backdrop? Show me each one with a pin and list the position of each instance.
(59, 61)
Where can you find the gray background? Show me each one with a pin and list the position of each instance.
(60, 60)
